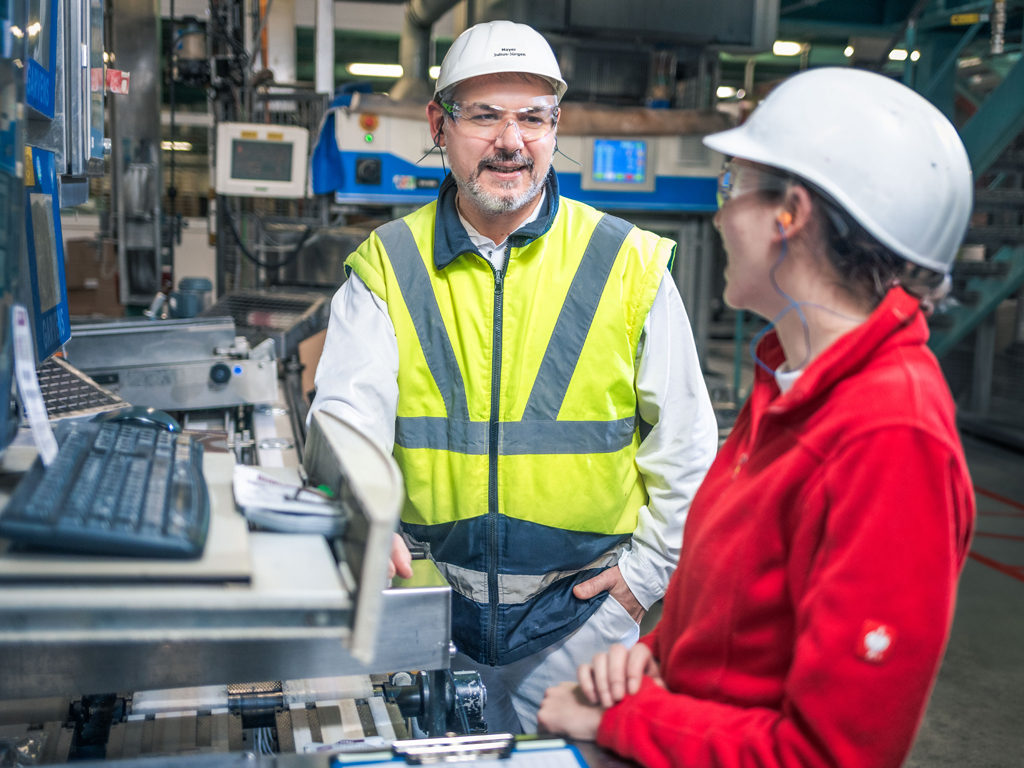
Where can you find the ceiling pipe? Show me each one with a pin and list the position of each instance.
(414, 48)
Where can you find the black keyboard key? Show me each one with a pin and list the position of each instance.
(105, 439)
(126, 440)
(130, 506)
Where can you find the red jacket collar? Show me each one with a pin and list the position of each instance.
(897, 321)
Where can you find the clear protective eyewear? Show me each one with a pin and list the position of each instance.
(737, 180)
(487, 121)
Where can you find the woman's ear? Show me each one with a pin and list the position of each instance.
(795, 212)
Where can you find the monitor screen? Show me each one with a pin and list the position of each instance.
(621, 161)
(261, 160)
(41, 211)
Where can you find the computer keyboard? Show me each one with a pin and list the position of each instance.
(115, 489)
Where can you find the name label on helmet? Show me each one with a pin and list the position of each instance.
(508, 52)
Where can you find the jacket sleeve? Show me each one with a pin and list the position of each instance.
(899, 512)
(676, 454)
(357, 378)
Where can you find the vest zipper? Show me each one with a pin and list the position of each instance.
(492, 450)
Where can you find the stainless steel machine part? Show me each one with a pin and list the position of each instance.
(175, 364)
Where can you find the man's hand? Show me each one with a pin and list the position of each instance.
(611, 676)
(567, 712)
(401, 560)
(611, 581)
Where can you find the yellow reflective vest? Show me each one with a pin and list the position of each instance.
(517, 425)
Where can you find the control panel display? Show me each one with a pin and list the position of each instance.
(618, 165)
(261, 160)
(620, 160)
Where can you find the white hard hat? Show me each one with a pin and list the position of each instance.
(500, 46)
(885, 154)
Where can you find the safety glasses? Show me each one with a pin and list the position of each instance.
(487, 121)
(737, 180)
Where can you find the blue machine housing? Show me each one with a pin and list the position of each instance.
(405, 183)
(46, 270)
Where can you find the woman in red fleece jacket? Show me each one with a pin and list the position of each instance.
(808, 616)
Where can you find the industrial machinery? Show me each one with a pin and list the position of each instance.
(176, 365)
(257, 606)
(90, 645)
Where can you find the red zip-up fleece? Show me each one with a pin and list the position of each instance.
(810, 610)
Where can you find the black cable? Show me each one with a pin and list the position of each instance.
(229, 215)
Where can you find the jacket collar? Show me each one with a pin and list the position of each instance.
(897, 321)
(451, 240)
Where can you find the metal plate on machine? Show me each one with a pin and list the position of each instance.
(190, 386)
(127, 343)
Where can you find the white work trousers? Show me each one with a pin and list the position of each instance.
(514, 691)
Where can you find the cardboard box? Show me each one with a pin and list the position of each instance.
(90, 269)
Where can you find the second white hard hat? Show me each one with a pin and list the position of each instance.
(885, 154)
(500, 46)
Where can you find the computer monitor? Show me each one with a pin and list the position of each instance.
(12, 218)
(40, 36)
(260, 160)
(45, 247)
(618, 165)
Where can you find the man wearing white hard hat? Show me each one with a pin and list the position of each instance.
(816, 588)
(511, 346)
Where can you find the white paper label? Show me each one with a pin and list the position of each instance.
(28, 386)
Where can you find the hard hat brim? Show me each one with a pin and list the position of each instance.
(559, 86)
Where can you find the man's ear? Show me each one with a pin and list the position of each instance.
(435, 117)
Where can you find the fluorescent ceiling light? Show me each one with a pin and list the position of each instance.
(34, 29)
(725, 92)
(848, 52)
(915, 55)
(785, 48)
(897, 54)
(16, 31)
(434, 73)
(392, 71)
(177, 146)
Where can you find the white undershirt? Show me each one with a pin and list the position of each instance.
(490, 250)
(786, 379)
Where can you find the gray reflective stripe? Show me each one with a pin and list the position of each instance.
(539, 437)
(514, 589)
(516, 438)
(574, 320)
(414, 282)
(453, 435)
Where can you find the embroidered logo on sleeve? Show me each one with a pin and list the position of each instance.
(876, 641)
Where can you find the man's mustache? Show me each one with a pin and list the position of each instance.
(516, 157)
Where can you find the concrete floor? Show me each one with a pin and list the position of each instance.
(976, 714)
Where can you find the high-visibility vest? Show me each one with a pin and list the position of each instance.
(517, 425)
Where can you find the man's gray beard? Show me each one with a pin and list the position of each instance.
(497, 203)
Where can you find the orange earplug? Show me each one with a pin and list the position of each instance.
(785, 218)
